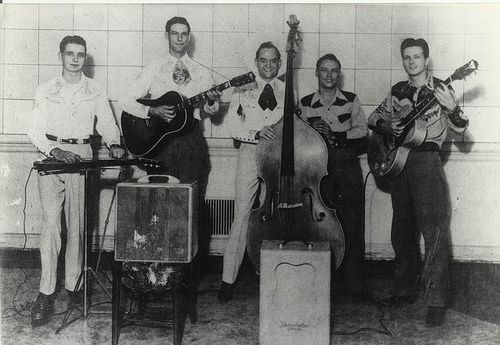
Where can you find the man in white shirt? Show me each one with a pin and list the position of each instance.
(62, 122)
(254, 109)
(186, 156)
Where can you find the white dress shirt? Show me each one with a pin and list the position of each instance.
(245, 116)
(156, 79)
(69, 111)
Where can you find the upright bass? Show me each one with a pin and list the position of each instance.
(290, 168)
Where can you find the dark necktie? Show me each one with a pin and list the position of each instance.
(267, 99)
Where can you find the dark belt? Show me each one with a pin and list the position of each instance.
(428, 146)
(67, 140)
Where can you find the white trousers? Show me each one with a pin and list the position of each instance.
(56, 191)
(247, 185)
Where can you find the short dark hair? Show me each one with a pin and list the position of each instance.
(267, 45)
(328, 57)
(72, 39)
(419, 42)
(177, 20)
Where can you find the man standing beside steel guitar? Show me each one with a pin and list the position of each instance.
(62, 122)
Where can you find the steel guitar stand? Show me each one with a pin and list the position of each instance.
(51, 166)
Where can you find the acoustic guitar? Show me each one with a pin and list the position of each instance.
(142, 136)
(387, 153)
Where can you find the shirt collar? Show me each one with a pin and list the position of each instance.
(261, 82)
(429, 82)
(59, 83)
(338, 94)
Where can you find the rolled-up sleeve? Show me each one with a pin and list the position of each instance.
(358, 129)
(138, 89)
(106, 123)
(38, 123)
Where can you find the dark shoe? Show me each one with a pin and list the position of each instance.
(361, 296)
(435, 316)
(225, 292)
(42, 310)
(76, 298)
(396, 301)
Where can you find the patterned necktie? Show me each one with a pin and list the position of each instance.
(181, 74)
(267, 99)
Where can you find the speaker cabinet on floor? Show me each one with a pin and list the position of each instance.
(294, 293)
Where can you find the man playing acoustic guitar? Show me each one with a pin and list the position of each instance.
(420, 196)
(185, 156)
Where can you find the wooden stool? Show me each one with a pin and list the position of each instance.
(181, 293)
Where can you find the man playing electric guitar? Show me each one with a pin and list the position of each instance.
(420, 197)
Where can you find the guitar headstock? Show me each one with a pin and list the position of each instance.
(466, 70)
(293, 38)
(242, 79)
(151, 163)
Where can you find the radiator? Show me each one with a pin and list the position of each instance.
(221, 214)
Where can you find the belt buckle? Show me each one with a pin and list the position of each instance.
(72, 141)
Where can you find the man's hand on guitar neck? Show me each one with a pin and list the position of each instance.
(213, 96)
(445, 97)
(163, 112)
(65, 156)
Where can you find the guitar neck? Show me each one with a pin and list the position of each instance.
(203, 96)
(424, 105)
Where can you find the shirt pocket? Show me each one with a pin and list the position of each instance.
(344, 117)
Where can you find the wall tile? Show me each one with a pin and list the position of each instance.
(2, 15)
(475, 49)
(449, 19)
(156, 15)
(348, 80)
(446, 51)
(48, 46)
(307, 14)
(373, 51)
(342, 45)
(97, 46)
(99, 74)
(125, 17)
(368, 109)
(266, 17)
(1, 115)
(231, 18)
(21, 46)
(222, 75)
(200, 47)
(397, 75)
(20, 81)
(410, 19)
(46, 73)
(16, 115)
(230, 51)
(54, 16)
(199, 16)
(482, 19)
(482, 89)
(21, 16)
(154, 46)
(337, 18)
(484, 124)
(308, 51)
(91, 17)
(305, 82)
(373, 18)
(119, 79)
(125, 48)
(372, 86)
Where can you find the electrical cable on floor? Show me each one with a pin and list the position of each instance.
(26, 306)
(384, 329)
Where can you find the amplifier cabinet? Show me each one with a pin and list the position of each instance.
(294, 293)
(156, 222)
